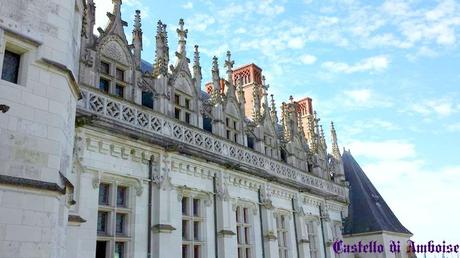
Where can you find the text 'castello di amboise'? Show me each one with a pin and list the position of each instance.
(115, 157)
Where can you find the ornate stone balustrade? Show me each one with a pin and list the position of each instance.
(151, 122)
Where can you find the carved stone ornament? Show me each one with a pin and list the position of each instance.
(222, 189)
(96, 180)
(266, 196)
(88, 58)
(138, 187)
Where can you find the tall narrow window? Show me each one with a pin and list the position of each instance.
(177, 113)
(105, 68)
(192, 227)
(101, 249)
(104, 190)
(250, 142)
(113, 221)
(147, 99)
(102, 218)
(312, 236)
(104, 85)
(120, 74)
(282, 234)
(207, 124)
(187, 117)
(119, 90)
(121, 196)
(244, 231)
(119, 250)
(231, 125)
(10, 70)
(120, 224)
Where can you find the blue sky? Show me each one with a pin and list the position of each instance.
(386, 72)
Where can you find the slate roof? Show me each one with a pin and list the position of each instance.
(368, 211)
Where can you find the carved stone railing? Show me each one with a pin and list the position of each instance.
(149, 121)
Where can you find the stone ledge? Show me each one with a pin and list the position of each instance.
(75, 219)
(226, 232)
(163, 228)
(31, 183)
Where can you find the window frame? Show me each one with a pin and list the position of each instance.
(231, 128)
(244, 221)
(20, 47)
(190, 240)
(113, 210)
(112, 77)
(282, 230)
(183, 107)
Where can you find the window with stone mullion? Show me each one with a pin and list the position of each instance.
(282, 236)
(192, 227)
(312, 236)
(113, 221)
(243, 231)
(112, 79)
(231, 128)
(183, 107)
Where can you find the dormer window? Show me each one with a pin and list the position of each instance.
(231, 129)
(270, 147)
(112, 79)
(183, 107)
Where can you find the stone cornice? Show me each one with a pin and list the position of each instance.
(127, 118)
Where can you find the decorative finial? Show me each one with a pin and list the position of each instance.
(137, 20)
(273, 112)
(215, 65)
(196, 66)
(335, 145)
(182, 33)
(196, 56)
(291, 99)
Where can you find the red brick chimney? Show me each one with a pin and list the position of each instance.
(251, 74)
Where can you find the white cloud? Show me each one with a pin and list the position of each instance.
(360, 96)
(388, 150)
(296, 43)
(200, 22)
(376, 63)
(455, 127)
(267, 7)
(308, 59)
(188, 5)
(439, 107)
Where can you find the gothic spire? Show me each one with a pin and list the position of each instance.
(162, 51)
(322, 138)
(137, 39)
(182, 34)
(197, 66)
(116, 24)
(273, 112)
(216, 90)
(335, 146)
(229, 65)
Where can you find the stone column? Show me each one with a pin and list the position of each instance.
(226, 220)
(166, 213)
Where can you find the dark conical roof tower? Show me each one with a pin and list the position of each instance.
(368, 211)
